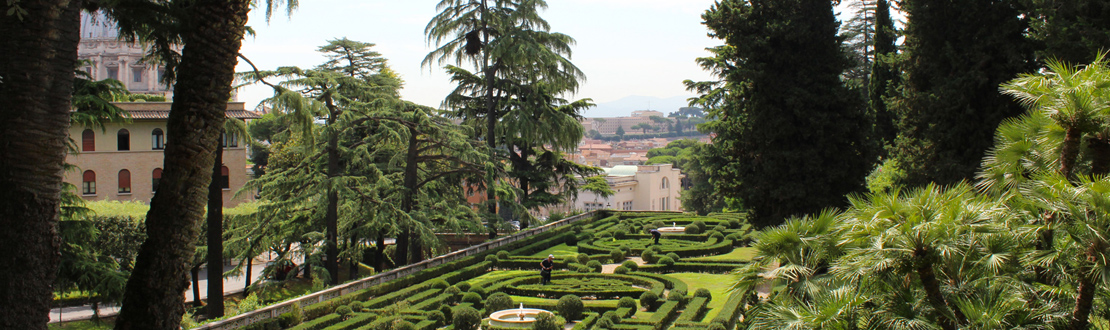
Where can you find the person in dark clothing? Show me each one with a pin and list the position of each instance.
(655, 234)
(545, 268)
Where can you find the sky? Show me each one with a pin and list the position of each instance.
(625, 47)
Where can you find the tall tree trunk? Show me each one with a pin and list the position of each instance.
(213, 34)
(491, 124)
(39, 53)
(1100, 155)
(408, 201)
(1069, 151)
(379, 252)
(332, 216)
(932, 292)
(352, 272)
(1085, 293)
(216, 239)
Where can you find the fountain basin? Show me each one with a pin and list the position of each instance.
(672, 230)
(512, 317)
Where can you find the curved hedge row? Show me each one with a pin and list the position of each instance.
(519, 286)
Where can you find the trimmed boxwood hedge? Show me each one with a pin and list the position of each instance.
(695, 310)
(319, 323)
(513, 286)
(730, 311)
(354, 322)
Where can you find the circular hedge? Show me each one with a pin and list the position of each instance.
(601, 286)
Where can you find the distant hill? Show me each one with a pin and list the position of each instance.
(625, 106)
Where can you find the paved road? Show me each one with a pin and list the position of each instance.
(231, 285)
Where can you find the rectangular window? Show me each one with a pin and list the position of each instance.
(88, 188)
(137, 74)
(113, 73)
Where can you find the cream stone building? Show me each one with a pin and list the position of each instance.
(108, 57)
(636, 188)
(123, 162)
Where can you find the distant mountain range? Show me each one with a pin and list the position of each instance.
(624, 106)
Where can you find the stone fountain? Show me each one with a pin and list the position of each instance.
(515, 318)
(673, 229)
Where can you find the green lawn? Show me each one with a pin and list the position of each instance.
(717, 284)
(737, 254)
(82, 325)
(559, 251)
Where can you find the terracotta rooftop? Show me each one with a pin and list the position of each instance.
(165, 114)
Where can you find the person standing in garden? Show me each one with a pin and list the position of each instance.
(545, 268)
(655, 234)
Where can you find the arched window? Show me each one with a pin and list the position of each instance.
(154, 178)
(665, 183)
(225, 180)
(88, 140)
(123, 140)
(124, 182)
(157, 139)
(88, 183)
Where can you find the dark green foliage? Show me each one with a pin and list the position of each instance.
(438, 317)
(466, 318)
(648, 300)
(454, 294)
(472, 298)
(498, 301)
(343, 311)
(648, 256)
(547, 321)
(594, 265)
(612, 316)
(567, 260)
(715, 326)
(621, 270)
(700, 224)
(673, 256)
(291, 318)
(447, 313)
(582, 269)
(478, 290)
(956, 55)
(693, 230)
(884, 77)
(1072, 31)
(570, 307)
(439, 284)
(678, 295)
(716, 234)
(666, 261)
(463, 286)
(502, 254)
(703, 292)
(791, 138)
(493, 259)
(355, 306)
(626, 302)
(734, 224)
(631, 265)
(583, 258)
(402, 325)
(616, 255)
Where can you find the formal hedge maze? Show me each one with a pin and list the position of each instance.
(609, 275)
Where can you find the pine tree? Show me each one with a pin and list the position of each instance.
(791, 138)
(883, 75)
(956, 55)
(1072, 31)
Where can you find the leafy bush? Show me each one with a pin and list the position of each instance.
(567, 260)
(666, 261)
(692, 229)
(479, 290)
(673, 256)
(502, 254)
(343, 311)
(626, 250)
(626, 302)
(715, 326)
(498, 301)
(582, 269)
(453, 294)
(716, 234)
(657, 224)
(472, 298)
(463, 286)
(720, 228)
(604, 323)
(631, 265)
(466, 318)
(570, 307)
(648, 256)
(583, 258)
(619, 233)
(700, 224)
(703, 292)
(547, 321)
(492, 259)
(356, 306)
(446, 311)
(594, 265)
(648, 300)
(612, 316)
(293, 317)
(401, 324)
(438, 317)
(621, 270)
(439, 283)
(734, 224)
(678, 295)
(616, 255)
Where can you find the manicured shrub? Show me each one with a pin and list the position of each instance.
(547, 321)
(612, 316)
(703, 292)
(503, 254)
(648, 256)
(492, 259)
(583, 258)
(567, 260)
(453, 293)
(715, 326)
(594, 265)
(692, 229)
(716, 234)
(734, 224)
(498, 301)
(700, 224)
(678, 295)
(603, 323)
(673, 256)
(619, 234)
(472, 298)
(582, 269)
(666, 261)
(403, 325)
(657, 224)
(720, 228)
(343, 311)
(616, 255)
(438, 317)
(439, 284)
(648, 300)
(570, 307)
(621, 270)
(631, 265)
(463, 286)
(626, 250)
(626, 302)
(479, 290)
(466, 318)
(293, 317)
(356, 306)
(446, 311)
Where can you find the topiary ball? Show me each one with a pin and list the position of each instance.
(715, 326)
(446, 310)
(503, 254)
(626, 250)
(673, 256)
(439, 284)
(631, 265)
(716, 234)
(570, 307)
(343, 311)
(547, 321)
(463, 286)
(720, 228)
(479, 290)
(611, 316)
(666, 261)
(498, 301)
(616, 255)
(356, 306)
(648, 256)
(626, 302)
(438, 317)
(453, 294)
(472, 298)
(594, 265)
(466, 318)
(621, 270)
(604, 324)
(692, 229)
(678, 295)
(734, 224)
(567, 260)
(700, 224)
(648, 300)
(582, 269)
(703, 292)
(492, 259)
(403, 325)
(583, 258)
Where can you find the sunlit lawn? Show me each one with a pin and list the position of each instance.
(82, 325)
(717, 284)
(560, 251)
(737, 254)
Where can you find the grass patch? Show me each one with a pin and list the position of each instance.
(737, 254)
(559, 251)
(104, 324)
(717, 284)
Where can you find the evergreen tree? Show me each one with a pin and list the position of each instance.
(956, 55)
(883, 75)
(1071, 31)
(789, 136)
